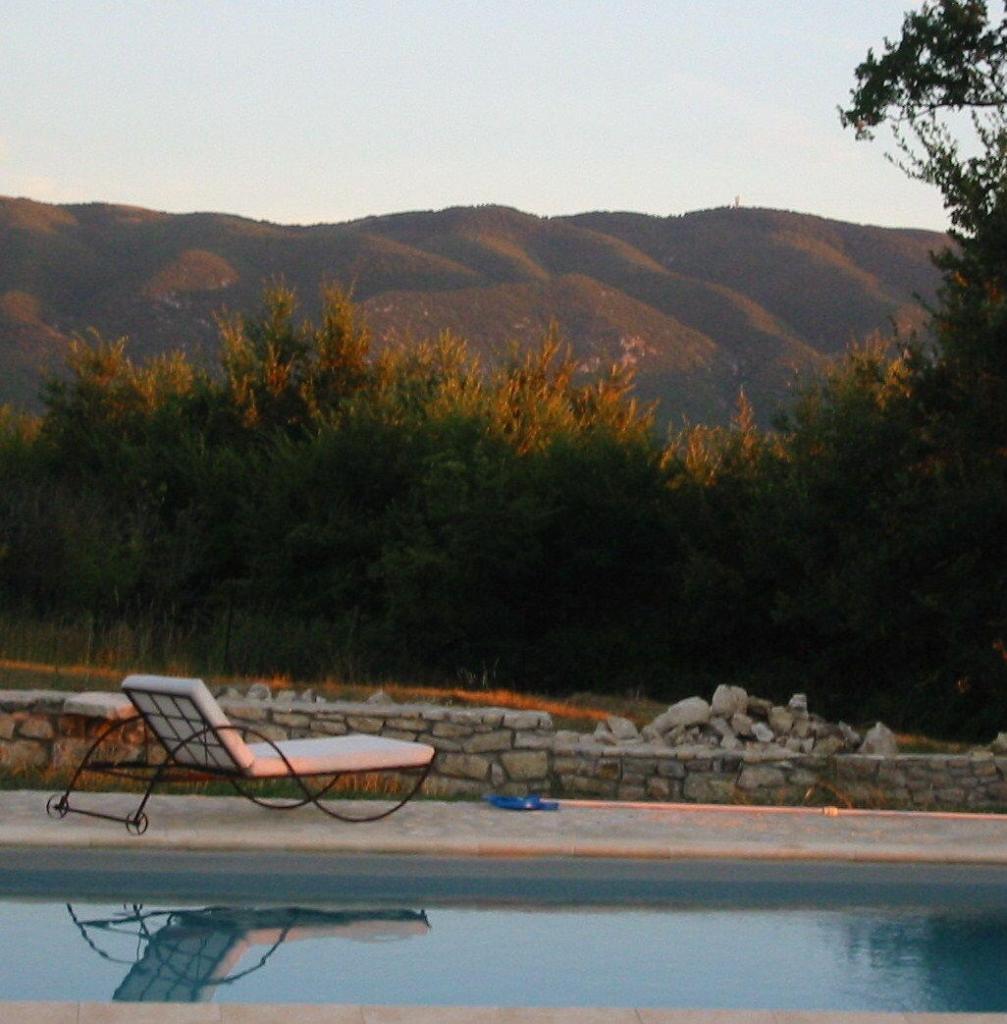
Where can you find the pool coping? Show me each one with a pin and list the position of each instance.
(301, 1013)
(578, 829)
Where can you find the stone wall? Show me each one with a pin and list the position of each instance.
(479, 750)
(482, 750)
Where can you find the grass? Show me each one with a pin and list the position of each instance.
(55, 654)
(77, 655)
(914, 743)
(582, 712)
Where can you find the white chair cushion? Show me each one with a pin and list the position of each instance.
(333, 754)
(177, 709)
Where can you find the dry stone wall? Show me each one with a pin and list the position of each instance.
(483, 750)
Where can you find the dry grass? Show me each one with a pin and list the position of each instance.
(577, 713)
(31, 675)
(581, 711)
(913, 743)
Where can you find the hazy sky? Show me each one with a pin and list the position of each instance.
(327, 110)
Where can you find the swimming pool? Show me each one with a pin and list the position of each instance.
(98, 925)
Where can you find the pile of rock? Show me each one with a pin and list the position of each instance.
(262, 692)
(735, 721)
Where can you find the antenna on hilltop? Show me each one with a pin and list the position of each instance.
(737, 202)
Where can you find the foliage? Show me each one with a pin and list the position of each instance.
(949, 59)
(950, 64)
(696, 300)
(316, 507)
(948, 70)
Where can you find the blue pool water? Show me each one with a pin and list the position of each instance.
(644, 935)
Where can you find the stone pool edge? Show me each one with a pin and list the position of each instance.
(243, 1013)
(432, 828)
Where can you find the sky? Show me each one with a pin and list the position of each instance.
(330, 110)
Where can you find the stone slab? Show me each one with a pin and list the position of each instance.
(38, 1013)
(99, 705)
(292, 1013)
(148, 1013)
(589, 828)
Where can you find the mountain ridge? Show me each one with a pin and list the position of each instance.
(702, 303)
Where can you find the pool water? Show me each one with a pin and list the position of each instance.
(683, 940)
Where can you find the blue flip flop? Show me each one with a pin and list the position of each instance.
(532, 802)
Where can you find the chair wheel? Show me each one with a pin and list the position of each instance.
(57, 806)
(138, 825)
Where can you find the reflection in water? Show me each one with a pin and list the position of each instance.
(952, 961)
(182, 956)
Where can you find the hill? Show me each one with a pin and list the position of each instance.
(703, 304)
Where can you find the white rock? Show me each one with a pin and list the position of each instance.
(741, 724)
(99, 705)
(763, 733)
(258, 691)
(999, 745)
(831, 745)
(688, 712)
(622, 728)
(766, 752)
(798, 704)
(781, 721)
(602, 735)
(721, 727)
(879, 740)
(379, 697)
(802, 728)
(851, 737)
(729, 700)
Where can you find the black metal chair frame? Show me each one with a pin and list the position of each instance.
(172, 770)
(145, 937)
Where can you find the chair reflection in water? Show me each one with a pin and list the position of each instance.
(184, 955)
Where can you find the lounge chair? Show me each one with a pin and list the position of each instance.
(199, 741)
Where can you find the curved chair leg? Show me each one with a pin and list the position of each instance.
(287, 805)
(315, 798)
(355, 819)
(58, 806)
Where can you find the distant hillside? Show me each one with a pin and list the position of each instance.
(702, 304)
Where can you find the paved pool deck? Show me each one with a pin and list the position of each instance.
(432, 829)
(471, 829)
(236, 1013)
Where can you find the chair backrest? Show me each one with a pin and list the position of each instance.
(190, 724)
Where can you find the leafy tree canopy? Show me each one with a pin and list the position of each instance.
(949, 59)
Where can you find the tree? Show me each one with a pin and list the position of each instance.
(947, 74)
(942, 89)
(950, 59)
